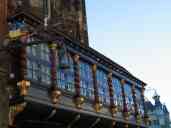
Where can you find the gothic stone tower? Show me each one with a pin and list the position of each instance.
(67, 16)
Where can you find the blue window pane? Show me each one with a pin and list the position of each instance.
(86, 80)
(65, 77)
(129, 97)
(139, 102)
(38, 63)
(103, 87)
(117, 93)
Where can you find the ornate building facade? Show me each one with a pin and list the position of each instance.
(158, 113)
(55, 79)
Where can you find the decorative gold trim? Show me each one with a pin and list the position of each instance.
(122, 82)
(114, 110)
(76, 58)
(94, 67)
(98, 107)
(24, 87)
(52, 46)
(14, 110)
(79, 101)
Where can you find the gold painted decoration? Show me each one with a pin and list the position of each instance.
(23, 87)
(79, 101)
(98, 107)
(114, 110)
(52, 46)
(122, 82)
(14, 110)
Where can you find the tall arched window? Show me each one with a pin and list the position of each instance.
(65, 76)
(117, 93)
(86, 80)
(103, 87)
(129, 97)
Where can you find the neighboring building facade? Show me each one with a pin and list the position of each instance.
(56, 79)
(158, 113)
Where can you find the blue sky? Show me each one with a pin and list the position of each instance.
(137, 35)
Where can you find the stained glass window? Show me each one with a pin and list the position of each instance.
(103, 86)
(117, 93)
(65, 76)
(86, 80)
(139, 102)
(129, 97)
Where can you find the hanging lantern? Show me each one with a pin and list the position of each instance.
(23, 87)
